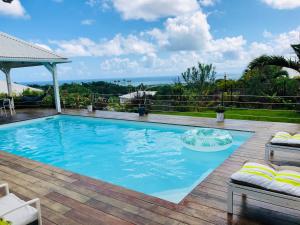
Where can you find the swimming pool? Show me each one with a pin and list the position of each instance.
(145, 157)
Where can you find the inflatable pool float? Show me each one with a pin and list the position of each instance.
(207, 139)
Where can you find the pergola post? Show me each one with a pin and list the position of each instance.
(6, 71)
(8, 81)
(53, 70)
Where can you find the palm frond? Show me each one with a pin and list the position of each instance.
(280, 61)
(297, 50)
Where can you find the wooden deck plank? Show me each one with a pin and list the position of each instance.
(85, 210)
(137, 217)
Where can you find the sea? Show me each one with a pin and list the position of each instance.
(135, 81)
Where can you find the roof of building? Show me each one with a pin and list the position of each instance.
(18, 53)
(135, 94)
(17, 89)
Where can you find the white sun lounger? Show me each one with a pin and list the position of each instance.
(270, 149)
(275, 198)
(278, 185)
(17, 211)
(282, 142)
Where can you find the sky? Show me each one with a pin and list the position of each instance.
(141, 38)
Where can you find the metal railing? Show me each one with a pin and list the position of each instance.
(205, 101)
(182, 103)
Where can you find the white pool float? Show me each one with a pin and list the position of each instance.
(207, 139)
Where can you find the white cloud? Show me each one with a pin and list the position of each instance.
(14, 9)
(152, 64)
(234, 54)
(87, 22)
(182, 33)
(159, 36)
(184, 40)
(230, 55)
(117, 46)
(190, 32)
(273, 45)
(119, 65)
(256, 49)
(208, 2)
(228, 48)
(150, 10)
(283, 4)
(78, 47)
(279, 44)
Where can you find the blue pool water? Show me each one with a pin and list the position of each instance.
(144, 157)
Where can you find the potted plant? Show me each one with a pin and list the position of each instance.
(90, 106)
(142, 110)
(220, 113)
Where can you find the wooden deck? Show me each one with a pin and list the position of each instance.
(71, 199)
(27, 114)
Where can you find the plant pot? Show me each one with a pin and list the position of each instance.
(141, 111)
(90, 108)
(220, 117)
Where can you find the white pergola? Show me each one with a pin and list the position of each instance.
(16, 53)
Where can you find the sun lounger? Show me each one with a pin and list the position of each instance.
(277, 185)
(17, 211)
(284, 142)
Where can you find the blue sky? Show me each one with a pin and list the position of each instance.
(122, 38)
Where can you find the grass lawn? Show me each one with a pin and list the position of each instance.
(246, 114)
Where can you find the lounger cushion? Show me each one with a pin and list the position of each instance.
(285, 138)
(286, 181)
(255, 174)
(279, 179)
(281, 138)
(22, 216)
(292, 168)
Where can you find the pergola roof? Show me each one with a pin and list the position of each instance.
(16, 53)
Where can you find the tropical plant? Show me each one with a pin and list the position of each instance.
(30, 92)
(220, 109)
(279, 61)
(200, 78)
(262, 80)
(100, 103)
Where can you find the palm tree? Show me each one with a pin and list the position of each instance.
(296, 49)
(279, 61)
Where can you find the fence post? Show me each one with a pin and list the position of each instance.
(231, 99)
(222, 98)
(224, 89)
(225, 85)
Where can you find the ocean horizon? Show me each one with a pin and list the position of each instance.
(135, 81)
